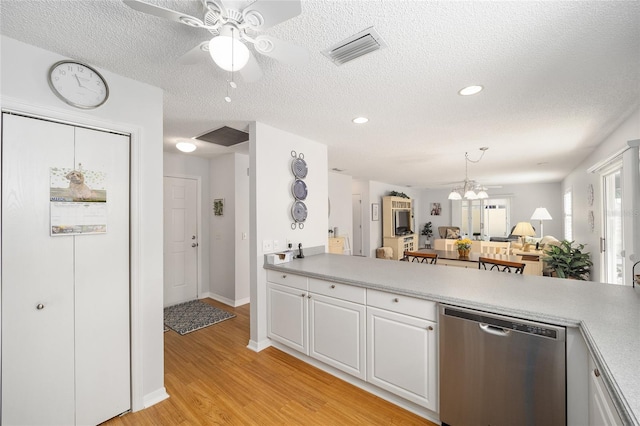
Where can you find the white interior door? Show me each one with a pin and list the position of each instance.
(180, 240)
(37, 344)
(65, 299)
(102, 287)
(357, 225)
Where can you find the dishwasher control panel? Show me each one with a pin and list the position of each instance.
(508, 324)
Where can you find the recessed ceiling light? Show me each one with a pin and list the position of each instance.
(470, 90)
(360, 120)
(186, 146)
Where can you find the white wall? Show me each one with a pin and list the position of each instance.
(361, 187)
(135, 108)
(271, 201)
(190, 166)
(242, 228)
(341, 214)
(423, 212)
(578, 180)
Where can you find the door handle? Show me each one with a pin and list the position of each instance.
(194, 244)
(496, 331)
(602, 245)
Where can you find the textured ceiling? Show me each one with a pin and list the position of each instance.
(558, 78)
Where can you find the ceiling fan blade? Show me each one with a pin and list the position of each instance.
(281, 50)
(264, 14)
(196, 54)
(251, 71)
(165, 13)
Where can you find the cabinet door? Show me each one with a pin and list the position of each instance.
(337, 333)
(402, 356)
(37, 278)
(287, 321)
(601, 409)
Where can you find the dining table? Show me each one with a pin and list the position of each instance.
(453, 258)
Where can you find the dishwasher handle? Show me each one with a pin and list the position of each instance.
(492, 329)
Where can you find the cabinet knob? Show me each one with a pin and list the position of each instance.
(333, 286)
(39, 306)
(194, 244)
(303, 295)
(284, 276)
(596, 372)
(430, 328)
(309, 297)
(396, 300)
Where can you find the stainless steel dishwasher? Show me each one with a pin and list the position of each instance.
(500, 371)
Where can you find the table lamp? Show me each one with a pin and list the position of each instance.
(524, 229)
(541, 214)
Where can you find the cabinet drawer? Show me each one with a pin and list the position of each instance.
(339, 291)
(285, 278)
(419, 308)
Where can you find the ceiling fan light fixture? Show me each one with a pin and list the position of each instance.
(470, 195)
(470, 90)
(483, 195)
(221, 48)
(186, 146)
(455, 195)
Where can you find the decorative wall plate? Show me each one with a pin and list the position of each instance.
(590, 195)
(299, 211)
(299, 189)
(299, 168)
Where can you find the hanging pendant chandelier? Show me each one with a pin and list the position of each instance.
(470, 189)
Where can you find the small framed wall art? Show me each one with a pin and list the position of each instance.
(375, 211)
(218, 206)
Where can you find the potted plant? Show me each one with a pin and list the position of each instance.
(464, 247)
(427, 232)
(568, 261)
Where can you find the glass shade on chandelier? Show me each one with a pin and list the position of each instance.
(228, 52)
(470, 194)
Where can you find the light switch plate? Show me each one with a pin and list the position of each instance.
(276, 245)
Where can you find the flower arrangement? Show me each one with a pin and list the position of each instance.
(463, 244)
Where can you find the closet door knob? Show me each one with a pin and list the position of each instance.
(39, 306)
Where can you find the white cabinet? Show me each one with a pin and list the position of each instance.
(602, 412)
(401, 348)
(287, 310)
(337, 333)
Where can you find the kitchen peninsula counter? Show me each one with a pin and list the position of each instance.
(608, 316)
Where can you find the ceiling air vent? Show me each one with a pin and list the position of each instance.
(225, 136)
(364, 42)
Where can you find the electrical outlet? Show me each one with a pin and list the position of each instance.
(267, 246)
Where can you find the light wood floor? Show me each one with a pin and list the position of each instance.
(213, 379)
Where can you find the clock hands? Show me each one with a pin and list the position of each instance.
(85, 87)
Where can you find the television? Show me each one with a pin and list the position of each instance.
(402, 222)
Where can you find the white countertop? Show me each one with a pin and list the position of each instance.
(607, 315)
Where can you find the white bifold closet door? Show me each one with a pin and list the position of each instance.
(69, 361)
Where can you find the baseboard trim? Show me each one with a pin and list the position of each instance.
(225, 300)
(154, 397)
(259, 346)
(366, 386)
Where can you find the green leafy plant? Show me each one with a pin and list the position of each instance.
(426, 230)
(398, 194)
(568, 261)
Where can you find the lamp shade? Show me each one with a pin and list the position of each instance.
(470, 195)
(455, 195)
(220, 49)
(524, 229)
(541, 214)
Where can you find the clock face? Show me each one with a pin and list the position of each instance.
(78, 85)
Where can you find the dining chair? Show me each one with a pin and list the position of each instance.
(420, 257)
(500, 265)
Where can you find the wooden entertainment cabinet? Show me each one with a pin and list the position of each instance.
(398, 243)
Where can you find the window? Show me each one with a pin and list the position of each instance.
(485, 218)
(568, 225)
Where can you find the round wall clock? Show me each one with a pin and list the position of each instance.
(78, 84)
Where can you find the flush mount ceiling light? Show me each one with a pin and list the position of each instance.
(360, 120)
(470, 90)
(470, 188)
(186, 146)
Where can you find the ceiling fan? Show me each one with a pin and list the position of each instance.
(234, 24)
